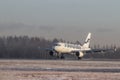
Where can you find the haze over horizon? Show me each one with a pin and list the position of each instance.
(70, 20)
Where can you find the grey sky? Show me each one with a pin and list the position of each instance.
(67, 19)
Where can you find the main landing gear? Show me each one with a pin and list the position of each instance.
(79, 58)
(62, 57)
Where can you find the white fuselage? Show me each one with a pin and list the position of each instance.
(68, 48)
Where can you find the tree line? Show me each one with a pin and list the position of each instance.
(24, 47)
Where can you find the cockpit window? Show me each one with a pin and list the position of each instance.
(56, 44)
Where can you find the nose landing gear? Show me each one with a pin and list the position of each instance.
(62, 57)
(79, 58)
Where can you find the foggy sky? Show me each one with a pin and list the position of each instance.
(70, 20)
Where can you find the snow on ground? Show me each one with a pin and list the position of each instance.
(16, 70)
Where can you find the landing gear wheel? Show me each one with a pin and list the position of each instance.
(62, 57)
(79, 58)
(51, 53)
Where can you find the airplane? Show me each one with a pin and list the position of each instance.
(61, 48)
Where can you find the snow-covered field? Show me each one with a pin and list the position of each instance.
(59, 70)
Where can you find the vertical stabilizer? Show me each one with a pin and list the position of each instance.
(87, 41)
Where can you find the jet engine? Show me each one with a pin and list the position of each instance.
(51, 53)
(79, 55)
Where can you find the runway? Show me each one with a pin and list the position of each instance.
(60, 65)
(59, 69)
(64, 69)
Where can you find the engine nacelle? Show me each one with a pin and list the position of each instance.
(79, 54)
(51, 53)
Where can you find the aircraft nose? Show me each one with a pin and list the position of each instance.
(55, 48)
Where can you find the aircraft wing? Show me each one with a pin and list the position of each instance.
(46, 49)
(99, 50)
(94, 50)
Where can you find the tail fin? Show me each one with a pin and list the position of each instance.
(87, 41)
